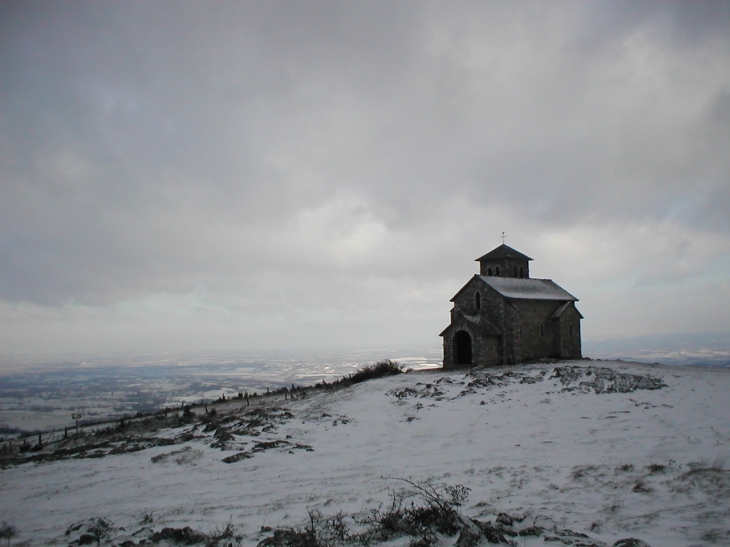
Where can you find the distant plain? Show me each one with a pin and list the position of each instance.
(43, 392)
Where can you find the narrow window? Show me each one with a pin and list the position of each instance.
(489, 272)
(515, 275)
(570, 329)
(497, 271)
(521, 273)
(542, 331)
(478, 299)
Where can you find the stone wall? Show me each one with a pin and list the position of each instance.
(508, 267)
(528, 329)
(491, 303)
(486, 350)
(537, 335)
(569, 328)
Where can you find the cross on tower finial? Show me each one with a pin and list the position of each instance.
(503, 236)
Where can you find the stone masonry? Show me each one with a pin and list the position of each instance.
(502, 316)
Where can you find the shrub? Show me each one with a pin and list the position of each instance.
(431, 511)
(218, 534)
(320, 532)
(8, 531)
(378, 370)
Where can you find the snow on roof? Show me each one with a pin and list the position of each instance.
(527, 289)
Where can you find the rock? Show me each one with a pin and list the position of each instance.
(469, 537)
(495, 534)
(237, 457)
(531, 531)
(470, 534)
(546, 523)
(506, 520)
(73, 528)
(184, 536)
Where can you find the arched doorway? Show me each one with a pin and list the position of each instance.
(462, 348)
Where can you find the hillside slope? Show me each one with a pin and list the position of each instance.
(606, 449)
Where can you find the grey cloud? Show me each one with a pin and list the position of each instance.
(163, 147)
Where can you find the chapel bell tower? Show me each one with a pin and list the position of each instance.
(504, 261)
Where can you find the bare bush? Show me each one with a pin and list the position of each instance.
(419, 511)
(8, 531)
(219, 534)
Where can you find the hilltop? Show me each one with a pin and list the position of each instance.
(574, 453)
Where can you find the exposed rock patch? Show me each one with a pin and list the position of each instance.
(603, 380)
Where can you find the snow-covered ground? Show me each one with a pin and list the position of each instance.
(582, 445)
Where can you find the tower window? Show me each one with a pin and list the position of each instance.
(478, 301)
(570, 330)
(542, 331)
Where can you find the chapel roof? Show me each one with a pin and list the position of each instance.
(503, 251)
(528, 289)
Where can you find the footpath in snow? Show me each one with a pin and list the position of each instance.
(577, 453)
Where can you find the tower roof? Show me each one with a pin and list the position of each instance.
(503, 251)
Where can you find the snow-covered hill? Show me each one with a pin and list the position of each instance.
(607, 449)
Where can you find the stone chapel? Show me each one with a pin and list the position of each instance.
(503, 317)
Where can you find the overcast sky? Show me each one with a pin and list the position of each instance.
(281, 175)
